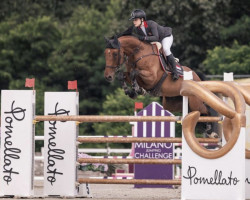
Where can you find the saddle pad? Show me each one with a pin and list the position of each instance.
(165, 66)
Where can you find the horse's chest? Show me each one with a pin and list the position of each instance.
(146, 75)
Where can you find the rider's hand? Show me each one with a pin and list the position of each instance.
(142, 38)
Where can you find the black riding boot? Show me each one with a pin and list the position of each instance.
(172, 63)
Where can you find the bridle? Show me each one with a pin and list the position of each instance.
(116, 67)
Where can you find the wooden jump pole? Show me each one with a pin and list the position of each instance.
(129, 161)
(140, 139)
(130, 181)
(119, 118)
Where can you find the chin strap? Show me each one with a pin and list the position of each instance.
(141, 22)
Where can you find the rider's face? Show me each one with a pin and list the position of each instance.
(137, 22)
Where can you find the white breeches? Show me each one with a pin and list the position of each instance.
(166, 44)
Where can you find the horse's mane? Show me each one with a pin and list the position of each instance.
(127, 33)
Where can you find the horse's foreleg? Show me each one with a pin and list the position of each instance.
(135, 86)
(139, 90)
(127, 78)
(124, 78)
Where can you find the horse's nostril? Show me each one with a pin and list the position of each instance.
(109, 78)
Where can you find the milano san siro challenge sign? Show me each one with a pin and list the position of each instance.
(153, 150)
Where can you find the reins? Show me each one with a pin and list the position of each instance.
(151, 54)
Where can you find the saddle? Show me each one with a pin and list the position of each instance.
(163, 60)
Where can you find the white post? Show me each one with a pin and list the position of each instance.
(248, 147)
(227, 77)
(230, 77)
(60, 150)
(187, 76)
(17, 147)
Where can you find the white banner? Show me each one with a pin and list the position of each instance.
(247, 178)
(60, 172)
(217, 179)
(17, 142)
(248, 147)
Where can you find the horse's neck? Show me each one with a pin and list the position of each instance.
(144, 61)
(129, 44)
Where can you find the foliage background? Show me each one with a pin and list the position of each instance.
(60, 40)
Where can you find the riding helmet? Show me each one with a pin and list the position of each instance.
(137, 13)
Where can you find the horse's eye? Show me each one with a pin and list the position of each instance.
(115, 54)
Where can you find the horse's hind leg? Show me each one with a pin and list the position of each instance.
(213, 129)
(210, 129)
(197, 105)
(207, 128)
(172, 104)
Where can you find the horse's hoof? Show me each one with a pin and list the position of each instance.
(141, 91)
(213, 135)
(132, 95)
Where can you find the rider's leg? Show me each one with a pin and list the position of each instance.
(166, 44)
(171, 61)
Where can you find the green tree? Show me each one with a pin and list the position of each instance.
(25, 49)
(238, 31)
(228, 59)
(234, 54)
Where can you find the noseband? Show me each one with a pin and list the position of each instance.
(116, 67)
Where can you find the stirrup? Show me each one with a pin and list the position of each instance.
(175, 76)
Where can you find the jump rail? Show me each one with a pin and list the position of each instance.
(140, 139)
(129, 161)
(130, 181)
(121, 118)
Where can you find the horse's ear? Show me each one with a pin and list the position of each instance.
(106, 39)
(116, 43)
(108, 43)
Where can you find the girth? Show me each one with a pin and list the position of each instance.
(156, 89)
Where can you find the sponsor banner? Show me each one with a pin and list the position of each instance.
(17, 142)
(60, 172)
(217, 179)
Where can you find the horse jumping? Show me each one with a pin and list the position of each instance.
(145, 73)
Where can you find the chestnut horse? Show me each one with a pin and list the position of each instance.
(142, 61)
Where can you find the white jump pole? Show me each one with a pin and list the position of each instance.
(230, 77)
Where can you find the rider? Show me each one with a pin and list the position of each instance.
(150, 31)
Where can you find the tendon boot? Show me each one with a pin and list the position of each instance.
(209, 133)
(172, 63)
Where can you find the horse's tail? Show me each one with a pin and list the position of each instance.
(201, 75)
